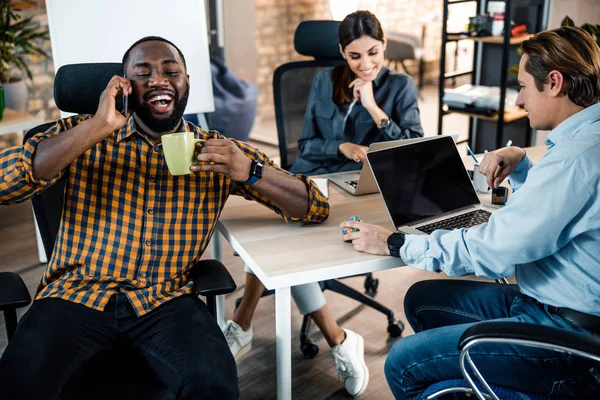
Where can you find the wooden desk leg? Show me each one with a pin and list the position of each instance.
(283, 333)
(217, 254)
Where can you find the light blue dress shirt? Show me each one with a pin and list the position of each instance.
(548, 232)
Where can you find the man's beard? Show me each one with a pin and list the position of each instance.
(161, 125)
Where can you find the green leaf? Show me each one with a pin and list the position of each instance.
(514, 70)
(20, 38)
(567, 22)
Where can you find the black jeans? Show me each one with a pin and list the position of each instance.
(180, 341)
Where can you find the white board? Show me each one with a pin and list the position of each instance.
(84, 31)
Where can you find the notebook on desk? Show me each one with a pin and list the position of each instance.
(425, 186)
(363, 182)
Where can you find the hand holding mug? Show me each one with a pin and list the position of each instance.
(222, 156)
(179, 150)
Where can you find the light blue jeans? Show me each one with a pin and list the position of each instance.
(309, 297)
(441, 310)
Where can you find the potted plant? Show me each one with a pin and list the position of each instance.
(592, 29)
(19, 39)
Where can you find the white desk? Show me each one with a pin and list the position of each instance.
(16, 121)
(284, 255)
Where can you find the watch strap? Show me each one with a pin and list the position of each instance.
(254, 176)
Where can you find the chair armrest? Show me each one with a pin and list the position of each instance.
(13, 292)
(212, 278)
(562, 339)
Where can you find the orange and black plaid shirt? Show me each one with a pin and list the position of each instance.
(127, 224)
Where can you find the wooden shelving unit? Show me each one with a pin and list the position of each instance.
(480, 74)
(509, 116)
(491, 39)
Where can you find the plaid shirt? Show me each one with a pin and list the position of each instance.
(127, 224)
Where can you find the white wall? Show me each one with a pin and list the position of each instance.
(580, 11)
(240, 38)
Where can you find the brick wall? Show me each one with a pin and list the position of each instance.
(276, 21)
(41, 97)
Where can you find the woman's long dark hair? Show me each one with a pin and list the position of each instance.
(354, 26)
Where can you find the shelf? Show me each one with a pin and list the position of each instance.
(456, 74)
(491, 39)
(15, 121)
(509, 116)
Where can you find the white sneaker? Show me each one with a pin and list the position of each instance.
(239, 341)
(350, 363)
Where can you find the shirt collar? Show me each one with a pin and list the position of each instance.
(130, 128)
(571, 126)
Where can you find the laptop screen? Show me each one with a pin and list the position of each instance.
(422, 180)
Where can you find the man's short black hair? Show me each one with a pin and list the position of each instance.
(150, 39)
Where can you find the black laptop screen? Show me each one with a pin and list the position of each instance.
(422, 180)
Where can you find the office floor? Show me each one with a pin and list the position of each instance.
(312, 379)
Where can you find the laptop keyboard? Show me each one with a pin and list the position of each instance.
(465, 220)
(352, 183)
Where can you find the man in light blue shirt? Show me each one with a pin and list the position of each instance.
(548, 234)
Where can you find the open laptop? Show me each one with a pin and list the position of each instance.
(362, 182)
(425, 186)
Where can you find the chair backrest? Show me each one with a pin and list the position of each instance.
(77, 89)
(292, 81)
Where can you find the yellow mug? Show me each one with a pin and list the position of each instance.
(179, 150)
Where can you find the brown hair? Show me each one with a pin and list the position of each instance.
(354, 26)
(574, 53)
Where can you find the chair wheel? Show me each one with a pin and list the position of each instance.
(309, 349)
(395, 330)
(371, 285)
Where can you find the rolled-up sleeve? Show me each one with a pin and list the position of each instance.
(518, 176)
(318, 204)
(17, 183)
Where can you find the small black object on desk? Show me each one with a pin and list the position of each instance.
(499, 195)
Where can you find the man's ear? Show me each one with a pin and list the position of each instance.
(556, 83)
(342, 52)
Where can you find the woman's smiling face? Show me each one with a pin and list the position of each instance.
(365, 57)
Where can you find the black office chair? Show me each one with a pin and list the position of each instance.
(291, 87)
(577, 344)
(77, 89)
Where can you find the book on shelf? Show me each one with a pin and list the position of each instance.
(479, 97)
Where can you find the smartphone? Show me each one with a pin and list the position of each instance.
(125, 103)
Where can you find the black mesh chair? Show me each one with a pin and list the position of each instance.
(121, 373)
(291, 87)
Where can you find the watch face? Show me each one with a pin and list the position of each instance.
(258, 170)
(385, 123)
(396, 240)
